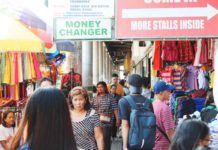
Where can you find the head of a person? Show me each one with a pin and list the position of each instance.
(8, 119)
(189, 135)
(45, 82)
(145, 82)
(163, 90)
(102, 88)
(135, 83)
(46, 122)
(79, 98)
(209, 98)
(113, 89)
(122, 82)
(115, 78)
(94, 89)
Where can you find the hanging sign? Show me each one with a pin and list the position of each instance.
(66, 28)
(166, 18)
(82, 8)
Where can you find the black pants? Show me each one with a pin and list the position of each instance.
(114, 130)
(107, 138)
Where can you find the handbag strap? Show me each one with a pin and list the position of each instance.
(164, 134)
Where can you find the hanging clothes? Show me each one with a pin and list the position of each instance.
(157, 62)
(19, 67)
(192, 77)
(16, 68)
(7, 72)
(186, 53)
(167, 74)
(36, 66)
(204, 52)
(28, 67)
(202, 81)
(197, 54)
(212, 79)
(170, 51)
(12, 75)
(2, 67)
(32, 70)
(179, 78)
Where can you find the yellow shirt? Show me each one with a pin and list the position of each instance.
(119, 89)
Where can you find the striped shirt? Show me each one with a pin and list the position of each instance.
(84, 131)
(104, 104)
(165, 121)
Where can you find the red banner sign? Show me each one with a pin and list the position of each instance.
(167, 18)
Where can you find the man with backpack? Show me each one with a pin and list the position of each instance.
(138, 119)
(164, 119)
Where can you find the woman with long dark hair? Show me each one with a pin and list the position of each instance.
(46, 123)
(106, 106)
(189, 135)
(6, 129)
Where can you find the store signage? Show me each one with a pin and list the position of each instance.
(82, 8)
(167, 18)
(80, 29)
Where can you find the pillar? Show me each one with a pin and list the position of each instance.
(95, 62)
(104, 62)
(87, 65)
(100, 64)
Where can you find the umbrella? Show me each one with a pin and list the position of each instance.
(66, 46)
(14, 36)
(44, 36)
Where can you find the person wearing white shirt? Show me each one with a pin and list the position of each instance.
(6, 129)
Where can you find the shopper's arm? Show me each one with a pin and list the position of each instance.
(99, 137)
(125, 132)
(117, 119)
(170, 133)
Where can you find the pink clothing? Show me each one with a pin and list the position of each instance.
(164, 120)
(16, 68)
(204, 52)
(36, 66)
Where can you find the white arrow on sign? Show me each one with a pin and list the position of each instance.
(208, 12)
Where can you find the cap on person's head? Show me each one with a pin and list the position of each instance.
(161, 86)
(135, 80)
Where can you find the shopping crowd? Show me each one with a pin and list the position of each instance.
(52, 121)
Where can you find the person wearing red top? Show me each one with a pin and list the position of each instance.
(163, 115)
(70, 81)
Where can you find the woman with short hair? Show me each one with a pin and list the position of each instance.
(85, 121)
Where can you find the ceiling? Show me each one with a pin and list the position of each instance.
(118, 50)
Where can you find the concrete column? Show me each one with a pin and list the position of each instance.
(107, 67)
(100, 63)
(108, 72)
(87, 65)
(95, 62)
(104, 63)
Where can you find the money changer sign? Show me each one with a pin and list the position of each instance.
(82, 29)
